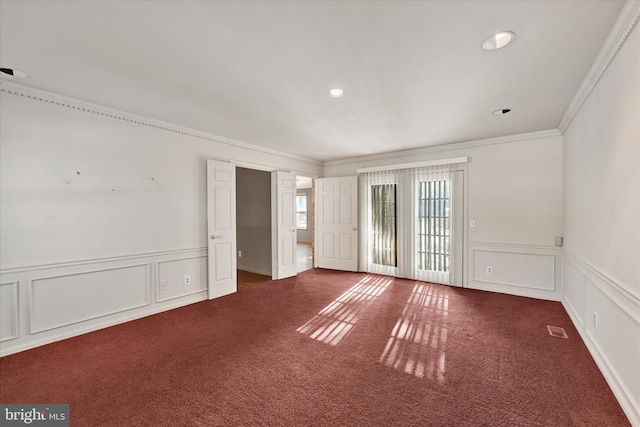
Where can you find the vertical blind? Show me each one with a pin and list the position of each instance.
(383, 224)
(407, 220)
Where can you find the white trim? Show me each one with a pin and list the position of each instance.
(622, 29)
(412, 153)
(254, 166)
(305, 174)
(23, 269)
(156, 281)
(16, 306)
(200, 291)
(32, 300)
(619, 389)
(546, 293)
(515, 245)
(124, 317)
(628, 304)
(622, 297)
(517, 285)
(40, 95)
(422, 164)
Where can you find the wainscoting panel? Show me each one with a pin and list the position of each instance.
(64, 300)
(170, 277)
(607, 317)
(532, 271)
(41, 304)
(9, 327)
(573, 284)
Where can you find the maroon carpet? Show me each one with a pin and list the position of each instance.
(326, 348)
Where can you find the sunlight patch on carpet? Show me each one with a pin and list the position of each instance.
(337, 320)
(418, 341)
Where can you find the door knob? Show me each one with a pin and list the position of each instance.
(355, 228)
(213, 236)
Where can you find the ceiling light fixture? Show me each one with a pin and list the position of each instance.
(15, 73)
(498, 40)
(336, 93)
(502, 111)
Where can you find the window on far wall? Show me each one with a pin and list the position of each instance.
(301, 211)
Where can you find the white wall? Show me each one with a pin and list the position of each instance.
(602, 217)
(101, 210)
(514, 195)
(253, 214)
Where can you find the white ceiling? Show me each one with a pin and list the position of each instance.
(414, 73)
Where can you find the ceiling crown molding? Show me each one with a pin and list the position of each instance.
(620, 32)
(522, 137)
(40, 95)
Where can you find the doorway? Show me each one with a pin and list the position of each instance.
(254, 227)
(305, 221)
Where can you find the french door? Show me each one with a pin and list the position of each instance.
(413, 224)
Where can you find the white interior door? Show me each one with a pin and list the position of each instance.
(337, 223)
(284, 228)
(221, 225)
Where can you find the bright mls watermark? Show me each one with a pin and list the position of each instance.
(34, 415)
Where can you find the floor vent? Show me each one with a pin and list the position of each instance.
(556, 331)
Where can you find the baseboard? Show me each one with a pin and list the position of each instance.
(610, 375)
(45, 303)
(606, 314)
(6, 349)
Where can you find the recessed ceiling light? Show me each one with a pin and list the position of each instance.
(336, 93)
(498, 40)
(502, 111)
(15, 73)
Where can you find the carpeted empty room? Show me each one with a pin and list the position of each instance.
(326, 348)
(320, 213)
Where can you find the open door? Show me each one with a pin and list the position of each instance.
(284, 228)
(221, 225)
(337, 223)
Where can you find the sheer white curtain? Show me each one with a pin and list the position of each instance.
(417, 240)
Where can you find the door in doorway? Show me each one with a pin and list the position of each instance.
(337, 223)
(221, 227)
(284, 229)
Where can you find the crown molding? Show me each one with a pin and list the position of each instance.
(522, 137)
(40, 95)
(620, 32)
